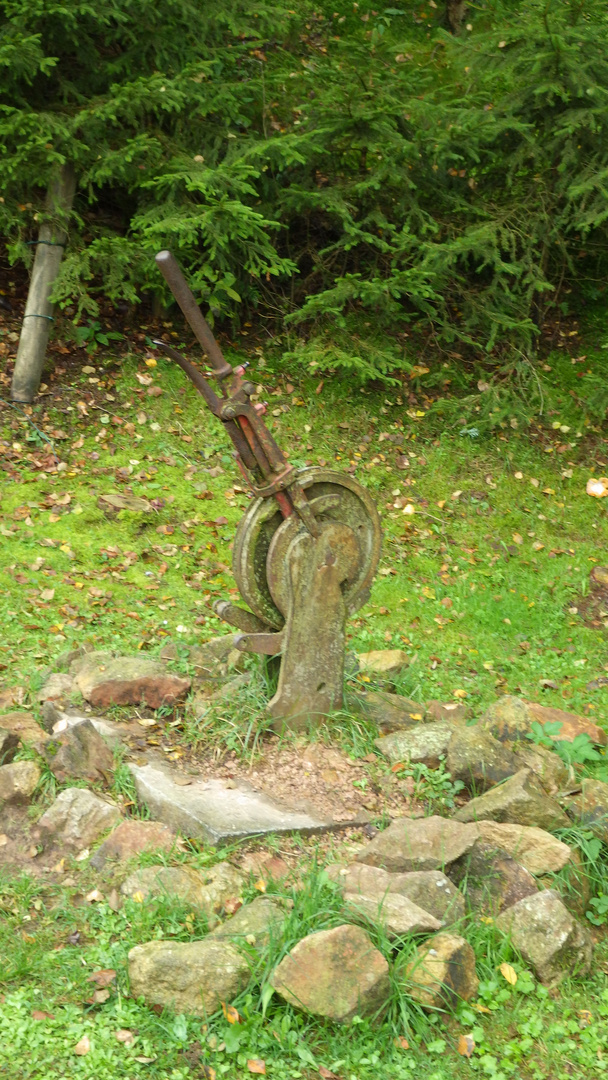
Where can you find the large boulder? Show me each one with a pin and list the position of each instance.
(491, 879)
(208, 889)
(132, 837)
(78, 753)
(590, 807)
(426, 743)
(510, 719)
(255, 925)
(442, 972)
(78, 817)
(547, 936)
(419, 844)
(192, 977)
(337, 974)
(427, 889)
(104, 680)
(521, 800)
(390, 712)
(18, 781)
(536, 850)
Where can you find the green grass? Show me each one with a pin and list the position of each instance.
(504, 625)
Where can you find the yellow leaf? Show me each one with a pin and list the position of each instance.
(597, 488)
(138, 897)
(230, 1013)
(260, 885)
(256, 1065)
(481, 1008)
(466, 1045)
(460, 693)
(518, 538)
(150, 362)
(508, 973)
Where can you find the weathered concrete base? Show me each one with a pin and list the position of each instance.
(216, 813)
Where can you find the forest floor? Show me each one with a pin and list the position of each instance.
(486, 582)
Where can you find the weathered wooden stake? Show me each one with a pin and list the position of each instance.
(38, 317)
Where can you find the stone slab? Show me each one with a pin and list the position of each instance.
(216, 813)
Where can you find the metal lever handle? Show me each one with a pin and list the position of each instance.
(170, 269)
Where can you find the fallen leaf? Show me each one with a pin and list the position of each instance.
(3, 839)
(103, 977)
(94, 896)
(466, 1045)
(148, 1060)
(83, 1046)
(260, 885)
(230, 1013)
(99, 997)
(401, 1042)
(518, 538)
(125, 1036)
(508, 973)
(256, 1065)
(327, 1074)
(597, 488)
(39, 1014)
(460, 693)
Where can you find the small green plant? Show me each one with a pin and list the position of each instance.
(579, 751)
(433, 786)
(599, 913)
(91, 336)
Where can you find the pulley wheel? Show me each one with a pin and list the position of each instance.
(349, 503)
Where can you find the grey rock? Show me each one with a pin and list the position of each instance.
(590, 807)
(110, 732)
(427, 743)
(192, 977)
(216, 813)
(58, 686)
(18, 781)
(419, 844)
(391, 712)
(396, 914)
(207, 889)
(447, 711)
(548, 937)
(548, 767)
(78, 817)
(255, 925)
(520, 800)
(428, 889)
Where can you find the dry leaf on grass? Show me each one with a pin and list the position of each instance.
(466, 1045)
(256, 1065)
(508, 973)
(597, 488)
(83, 1046)
(230, 1013)
(125, 1036)
(103, 977)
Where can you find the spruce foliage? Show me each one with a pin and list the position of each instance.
(320, 162)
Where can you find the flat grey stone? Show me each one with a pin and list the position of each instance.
(216, 813)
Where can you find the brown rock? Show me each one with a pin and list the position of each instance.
(192, 977)
(421, 844)
(78, 752)
(590, 808)
(127, 680)
(536, 850)
(23, 726)
(448, 712)
(132, 837)
(443, 972)
(8, 746)
(18, 781)
(334, 973)
(428, 889)
(521, 800)
(491, 880)
(548, 937)
(510, 719)
(477, 759)
(12, 695)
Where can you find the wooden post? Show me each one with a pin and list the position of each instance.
(38, 317)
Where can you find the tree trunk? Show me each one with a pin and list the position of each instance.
(38, 317)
